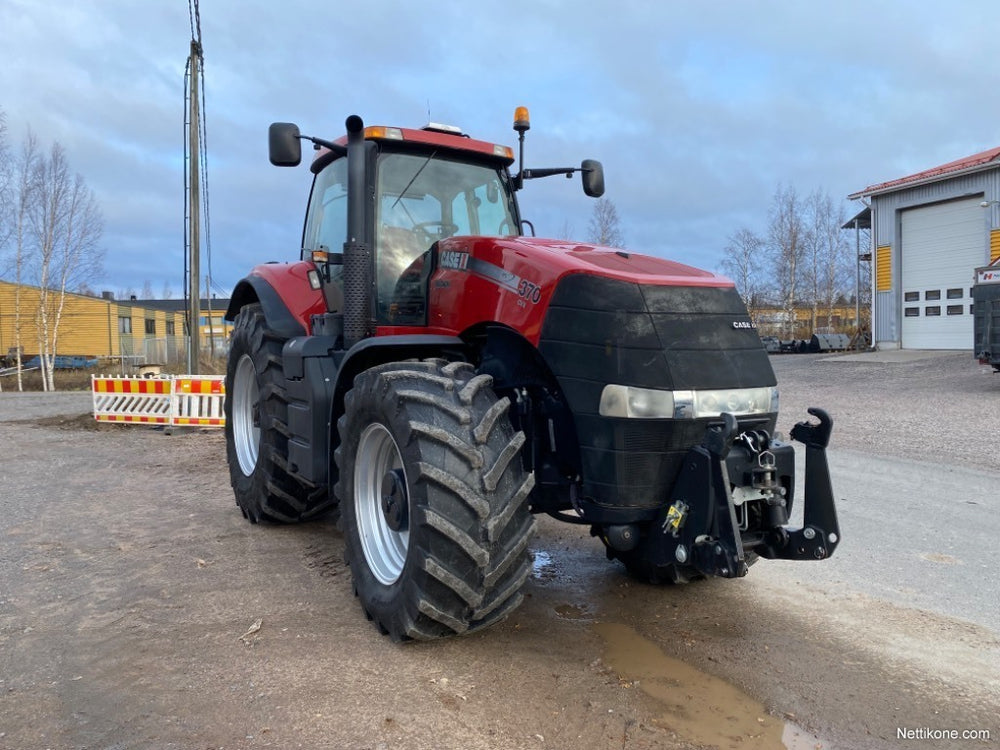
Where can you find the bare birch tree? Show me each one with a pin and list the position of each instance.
(24, 189)
(828, 271)
(785, 242)
(838, 274)
(605, 226)
(812, 266)
(6, 199)
(6, 187)
(66, 227)
(744, 262)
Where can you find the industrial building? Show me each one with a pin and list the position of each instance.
(129, 331)
(929, 232)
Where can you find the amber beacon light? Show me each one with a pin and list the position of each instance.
(522, 120)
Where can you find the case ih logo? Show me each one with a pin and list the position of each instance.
(749, 324)
(453, 259)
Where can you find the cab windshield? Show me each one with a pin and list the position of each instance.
(423, 198)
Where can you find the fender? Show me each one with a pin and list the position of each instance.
(287, 314)
(379, 349)
(311, 364)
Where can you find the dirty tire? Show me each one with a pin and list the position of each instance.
(449, 554)
(256, 428)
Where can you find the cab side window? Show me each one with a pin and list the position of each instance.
(480, 211)
(326, 222)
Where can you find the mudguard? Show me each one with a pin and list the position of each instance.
(284, 293)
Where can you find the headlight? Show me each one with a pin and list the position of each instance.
(647, 403)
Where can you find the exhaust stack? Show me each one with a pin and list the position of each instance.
(357, 252)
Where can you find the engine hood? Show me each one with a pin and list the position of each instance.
(574, 257)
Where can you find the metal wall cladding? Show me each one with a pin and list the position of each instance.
(886, 229)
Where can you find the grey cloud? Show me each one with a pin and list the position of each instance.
(697, 111)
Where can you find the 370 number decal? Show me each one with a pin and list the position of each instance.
(505, 279)
(527, 290)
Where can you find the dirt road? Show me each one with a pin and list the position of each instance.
(139, 610)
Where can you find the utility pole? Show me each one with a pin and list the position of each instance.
(194, 225)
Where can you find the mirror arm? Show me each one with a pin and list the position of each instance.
(531, 174)
(322, 142)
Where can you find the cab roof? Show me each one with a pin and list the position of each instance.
(431, 136)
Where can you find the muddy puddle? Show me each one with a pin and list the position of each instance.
(697, 706)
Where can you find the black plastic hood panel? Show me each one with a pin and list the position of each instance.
(599, 331)
(669, 337)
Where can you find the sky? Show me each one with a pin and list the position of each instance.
(699, 111)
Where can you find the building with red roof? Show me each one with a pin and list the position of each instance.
(929, 232)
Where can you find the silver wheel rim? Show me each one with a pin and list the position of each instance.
(246, 429)
(384, 548)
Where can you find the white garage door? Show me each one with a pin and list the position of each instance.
(941, 245)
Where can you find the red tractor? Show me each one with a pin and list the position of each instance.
(436, 378)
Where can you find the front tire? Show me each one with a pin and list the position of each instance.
(256, 428)
(433, 499)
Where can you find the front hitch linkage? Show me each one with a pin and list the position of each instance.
(820, 533)
(699, 525)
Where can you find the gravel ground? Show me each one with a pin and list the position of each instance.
(939, 407)
(24, 406)
(130, 590)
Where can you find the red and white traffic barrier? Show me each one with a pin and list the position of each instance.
(181, 400)
(198, 400)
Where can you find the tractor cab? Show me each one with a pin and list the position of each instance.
(422, 186)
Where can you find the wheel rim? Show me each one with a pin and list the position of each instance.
(246, 415)
(384, 547)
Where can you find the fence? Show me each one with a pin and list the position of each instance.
(181, 400)
(135, 350)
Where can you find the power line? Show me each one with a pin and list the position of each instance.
(196, 174)
(204, 174)
(194, 16)
(187, 226)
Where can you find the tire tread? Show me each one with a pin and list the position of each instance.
(273, 493)
(470, 524)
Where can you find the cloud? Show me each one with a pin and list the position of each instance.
(698, 112)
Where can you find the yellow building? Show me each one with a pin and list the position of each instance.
(130, 331)
(775, 321)
(213, 329)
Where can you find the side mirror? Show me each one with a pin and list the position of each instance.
(283, 145)
(592, 172)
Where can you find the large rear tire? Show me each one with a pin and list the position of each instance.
(433, 499)
(256, 428)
